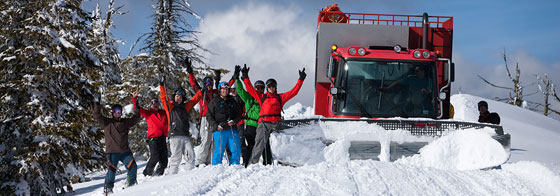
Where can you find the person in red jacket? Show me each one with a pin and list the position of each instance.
(271, 105)
(156, 118)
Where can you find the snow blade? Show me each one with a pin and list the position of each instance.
(359, 150)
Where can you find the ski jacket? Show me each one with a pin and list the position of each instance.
(220, 111)
(156, 120)
(208, 95)
(488, 117)
(116, 131)
(178, 113)
(271, 103)
(252, 107)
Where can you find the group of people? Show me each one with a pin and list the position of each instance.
(234, 121)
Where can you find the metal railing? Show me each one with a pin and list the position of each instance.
(392, 19)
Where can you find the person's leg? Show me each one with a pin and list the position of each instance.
(176, 148)
(267, 153)
(259, 143)
(131, 167)
(112, 162)
(219, 148)
(154, 157)
(234, 146)
(162, 148)
(205, 144)
(189, 154)
(250, 134)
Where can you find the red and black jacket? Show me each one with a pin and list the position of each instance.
(271, 103)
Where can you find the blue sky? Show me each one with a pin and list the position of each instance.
(235, 30)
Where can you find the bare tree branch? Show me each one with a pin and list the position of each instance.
(491, 84)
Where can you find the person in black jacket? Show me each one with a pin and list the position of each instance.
(224, 113)
(485, 116)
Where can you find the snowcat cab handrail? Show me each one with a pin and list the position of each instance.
(393, 19)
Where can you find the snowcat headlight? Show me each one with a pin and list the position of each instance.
(361, 51)
(334, 47)
(397, 48)
(352, 51)
(425, 54)
(417, 54)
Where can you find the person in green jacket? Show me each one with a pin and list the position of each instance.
(250, 117)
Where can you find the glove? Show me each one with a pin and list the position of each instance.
(302, 74)
(236, 72)
(245, 72)
(162, 80)
(188, 64)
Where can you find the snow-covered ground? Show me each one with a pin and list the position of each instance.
(444, 167)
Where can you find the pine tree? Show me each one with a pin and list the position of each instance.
(49, 138)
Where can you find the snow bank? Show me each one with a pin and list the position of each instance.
(462, 150)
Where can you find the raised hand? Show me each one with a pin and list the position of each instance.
(245, 72)
(236, 72)
(188, 64)
(302, 74)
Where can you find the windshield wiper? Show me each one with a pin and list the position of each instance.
(381, 92)
(362, 108)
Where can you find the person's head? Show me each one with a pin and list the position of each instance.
(180, 95)
(207, 82)
(232, 90)
(154, 104)
(223, 87)
(482, 106)
(259, 86)
(116, 111)
(419, 71)
(271, 85)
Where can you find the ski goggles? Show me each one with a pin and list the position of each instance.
(224, 85)
(155, 101)
(117, 111)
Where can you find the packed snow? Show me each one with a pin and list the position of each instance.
(448, 165)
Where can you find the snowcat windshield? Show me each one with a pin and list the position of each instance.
(387, 89)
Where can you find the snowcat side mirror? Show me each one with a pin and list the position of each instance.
(452, 75)
(330, 67)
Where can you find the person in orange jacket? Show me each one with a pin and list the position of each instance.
(156, 118)
(271, 106)
(177, 111)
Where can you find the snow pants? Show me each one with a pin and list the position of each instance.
(181, 147)
(158, 153)
(229, 138)
(262, 140)
(247, 144)
(112, 165)
(204, 155)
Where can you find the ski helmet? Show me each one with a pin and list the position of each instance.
(223, 85)
(207, 81)
(271, 82)
(180, 91)
(259, 83)
(116, 108)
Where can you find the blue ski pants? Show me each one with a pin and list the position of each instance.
(112, 165)
(229, 138)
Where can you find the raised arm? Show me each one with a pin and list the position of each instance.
(250, 89)
(143, 112)
(102, 120)
(190, 104)
(245, 96)
(292, 93)
(192, 79)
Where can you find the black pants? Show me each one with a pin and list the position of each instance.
(158, 153)
(249, 135)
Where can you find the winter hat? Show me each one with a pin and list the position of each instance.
(223, 85)
(482, 103)
(271, 82)
(259, 83)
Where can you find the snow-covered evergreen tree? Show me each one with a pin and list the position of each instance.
(49, 138)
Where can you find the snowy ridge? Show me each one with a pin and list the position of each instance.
(327, 170)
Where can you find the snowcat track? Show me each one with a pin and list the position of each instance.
(371, 149)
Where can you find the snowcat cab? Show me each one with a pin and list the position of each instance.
(391, 70)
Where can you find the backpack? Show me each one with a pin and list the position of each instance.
(279, 101)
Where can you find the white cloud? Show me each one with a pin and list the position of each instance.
(274, 41)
